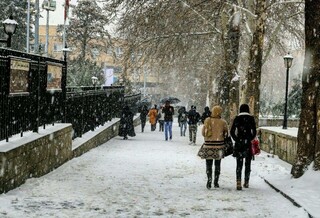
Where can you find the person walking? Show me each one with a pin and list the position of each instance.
(153, 113)
(143, 116)
(193, 119)
(161, 120)
(182, 119)
(214, 131)
(243, 131)
(205, 114)
(126, 126)
(168, 111)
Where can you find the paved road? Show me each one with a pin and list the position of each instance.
(144, 176)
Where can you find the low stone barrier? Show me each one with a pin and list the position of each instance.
(277, 141)
(36, 154)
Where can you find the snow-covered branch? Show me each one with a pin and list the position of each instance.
(243, 9)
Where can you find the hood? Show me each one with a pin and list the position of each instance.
(216, 112)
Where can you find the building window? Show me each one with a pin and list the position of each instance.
(57, 47)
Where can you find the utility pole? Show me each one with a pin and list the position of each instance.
(36, 29)
(28, 28)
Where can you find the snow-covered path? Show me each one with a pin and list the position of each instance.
(145, 176)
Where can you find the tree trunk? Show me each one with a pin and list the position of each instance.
(229, 96)
(255, 62)
(309, 126)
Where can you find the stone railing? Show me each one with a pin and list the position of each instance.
(280, 142)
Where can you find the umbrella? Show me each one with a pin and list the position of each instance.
(143, 102)
(172, 100)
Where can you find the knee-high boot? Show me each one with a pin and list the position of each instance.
(209, 172)
(216, 173)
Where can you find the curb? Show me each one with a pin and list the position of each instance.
(287, 197)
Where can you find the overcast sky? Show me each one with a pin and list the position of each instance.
(55, 17)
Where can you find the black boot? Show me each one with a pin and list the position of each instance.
(209, 172)
(217, 164)
(216, 180)
(209, 180)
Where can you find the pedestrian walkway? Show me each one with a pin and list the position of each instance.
(145, 176)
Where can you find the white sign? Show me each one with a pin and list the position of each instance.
(108, 76)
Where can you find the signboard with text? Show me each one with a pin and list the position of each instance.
(19, 76)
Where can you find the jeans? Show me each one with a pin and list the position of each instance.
(168, 129)
(247, 168)
(183, 128)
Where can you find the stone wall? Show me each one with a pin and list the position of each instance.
(279, 143)
(36, 154)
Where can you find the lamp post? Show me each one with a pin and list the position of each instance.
(287, 63)
(65, 51)
(9, 26)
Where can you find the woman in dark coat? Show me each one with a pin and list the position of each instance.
(243, 131)
(126, 127)
(143, 116)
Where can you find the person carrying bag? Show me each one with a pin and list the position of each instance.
(214, 131)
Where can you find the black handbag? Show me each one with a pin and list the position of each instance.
(228, 150)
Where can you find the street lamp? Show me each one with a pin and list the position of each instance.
(65, 51)
(9, 26)
(287, 63)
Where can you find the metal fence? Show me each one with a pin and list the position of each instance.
(33, 93)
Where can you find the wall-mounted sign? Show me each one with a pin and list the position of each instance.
(19, 76)
(54, 75)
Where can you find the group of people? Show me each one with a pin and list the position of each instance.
(215, 130)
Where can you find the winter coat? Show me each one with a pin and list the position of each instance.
(193, 117)
(126, 126)
(205, 114)
(243, 131)
(214, 131)
(215, 128)
(168, 113)
(143, 114)
(153, 113)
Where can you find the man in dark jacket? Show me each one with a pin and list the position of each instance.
(143, 116)
(243, 131)
(168, 111)
(193, 119)
(205, 114)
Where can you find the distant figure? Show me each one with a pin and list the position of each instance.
(143, 116)
(153, 113)
(168, 111)
(193, 119)
(205, 114)
(182, 119)
(126, 127)
(243, 131)
(161, 120)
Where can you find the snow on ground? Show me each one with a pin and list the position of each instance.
(147, 176)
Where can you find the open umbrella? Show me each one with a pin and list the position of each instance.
(172, 100)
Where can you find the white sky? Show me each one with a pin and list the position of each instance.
(146, 176)
(55, 17)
